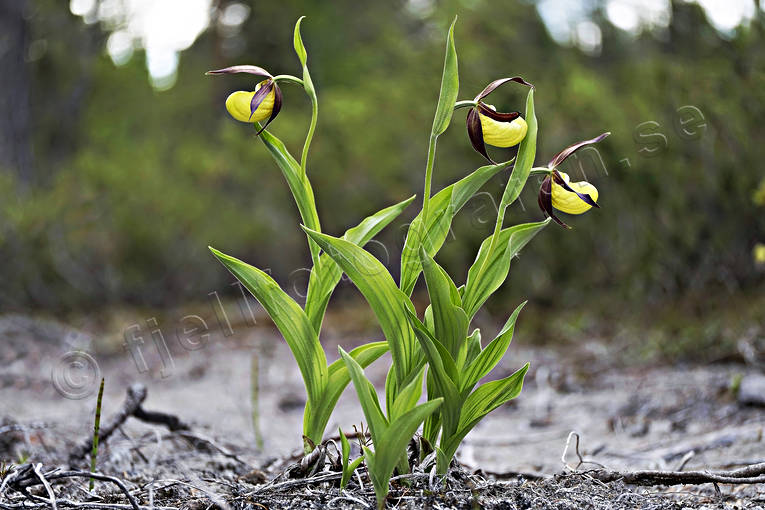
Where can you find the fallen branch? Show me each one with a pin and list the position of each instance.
(37, 468)
(136, 395)
(314, 480)
(29, 476)
(754, 473)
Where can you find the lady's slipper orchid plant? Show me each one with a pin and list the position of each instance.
(557, 192)
(487, 126)
(440, 344)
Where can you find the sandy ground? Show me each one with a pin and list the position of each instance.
(626, 418)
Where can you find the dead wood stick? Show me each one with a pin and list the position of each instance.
(746, 475)
(136, 395)
(170, 421)
(275, 487)
(51, 495)
(21, 484)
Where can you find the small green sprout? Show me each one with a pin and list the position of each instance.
(348, 466)
(96, 431)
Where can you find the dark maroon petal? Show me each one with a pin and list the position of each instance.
(496, 83)
(586, 198)
(545, 201)
(276, 109)
(260, 95)
(565, 153)
(258, 71)
(499, 116)
(475, 133)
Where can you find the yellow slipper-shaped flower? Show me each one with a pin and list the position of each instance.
(559, 193)
(263, 103)
(487, 126)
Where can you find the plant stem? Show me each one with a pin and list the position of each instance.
(288, 78)
(464, 104)
(96, 430)
(540, 170)
(428, 179)
(255, 399)
(308, 85)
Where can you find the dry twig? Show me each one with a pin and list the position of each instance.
(754, 473)
(136, 394)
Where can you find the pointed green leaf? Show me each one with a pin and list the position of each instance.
(525, 160)
(298, 43)
(450, 85)
(490, 269)
(348, 466)
(370, 404)
(289, 319)
(317, 414)
(389, 448)
(443, 206)
(481, 402)
(470, 349)
(490, 396)
(449, 319)
(488, 358)
(445, 375)
(326, 274)
(386, 300)
(300, 187)
(407, 397)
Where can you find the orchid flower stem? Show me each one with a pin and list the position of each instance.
(288, 78)
(540, 170)
(428, 179)
(464, 104)
(311, 129)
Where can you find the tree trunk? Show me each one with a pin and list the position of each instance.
(15, 135)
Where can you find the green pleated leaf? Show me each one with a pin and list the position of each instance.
(390, 448)
(385, 299)
(370, 404)
(490, 396)
(449, 319)
(326, 274)
(443, 206)
(298, 43)
(289, 319)
(525, 159)
(481, 402)
(492, 264)
(488, 358)
(450, 85)
(445, 374)
(300, 187)
(348, 468)
(470, 349)
(316, 415)
(303, 57)
(407, 397)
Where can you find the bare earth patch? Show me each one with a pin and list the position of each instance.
(670, 418)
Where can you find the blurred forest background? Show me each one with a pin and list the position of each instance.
(119, 164)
